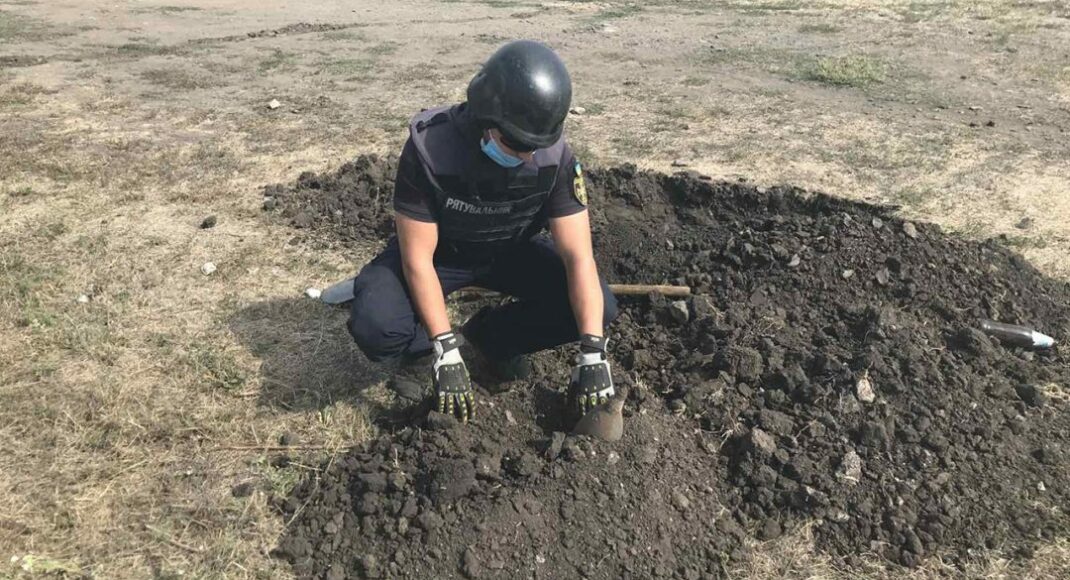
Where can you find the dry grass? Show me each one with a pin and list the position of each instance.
(17, 27)
(125, 404)
(167, 9)
(278, 61)
(179, 79)
(21, 94)
(122, 401)
(848, 71)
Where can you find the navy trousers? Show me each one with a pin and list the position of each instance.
(385, 325)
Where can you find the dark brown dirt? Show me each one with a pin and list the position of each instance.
(742, 420)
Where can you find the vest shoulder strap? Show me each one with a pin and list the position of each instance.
(439, 142)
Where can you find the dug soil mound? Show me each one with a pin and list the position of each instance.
(827, 370)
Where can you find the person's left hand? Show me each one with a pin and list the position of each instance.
(592, 380)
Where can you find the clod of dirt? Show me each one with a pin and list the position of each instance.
(244, 489)
(470, 564)
(1033, 395)
(761, 442)
(557, 442)
(302, 220)
(946, 461)
(451, 480)
(776, 423)
(441, 421)
(677, 406)
(406, 389)
(604, 422)
(208, 268)
(209, 222)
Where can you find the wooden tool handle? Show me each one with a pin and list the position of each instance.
(618, 289)
(644, 289)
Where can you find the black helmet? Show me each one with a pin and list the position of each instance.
(524, 90)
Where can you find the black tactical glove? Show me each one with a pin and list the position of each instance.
(592, 381)
(452, 384)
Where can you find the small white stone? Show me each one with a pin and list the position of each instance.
(850, 468)
(83, 299)
(910, 230)
(208, 269)
(509, 417)
(313, 293)
(838, 515)
(578, 110)
(680, 312)
(1041, 486)
(613, 458)
(864, 389)
(274, 104)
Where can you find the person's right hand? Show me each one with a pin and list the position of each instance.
(453, 387)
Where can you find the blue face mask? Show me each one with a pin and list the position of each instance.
(494, 151)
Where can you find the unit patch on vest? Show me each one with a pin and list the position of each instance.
(579, 188)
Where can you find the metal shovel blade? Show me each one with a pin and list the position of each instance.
(339, 293)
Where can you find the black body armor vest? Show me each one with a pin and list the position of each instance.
(480, 205)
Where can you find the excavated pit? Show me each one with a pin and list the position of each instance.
(744, 419)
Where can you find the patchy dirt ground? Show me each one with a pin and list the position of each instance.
(746, 417)
(143, 400)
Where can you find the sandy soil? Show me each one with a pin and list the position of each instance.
(129, 415)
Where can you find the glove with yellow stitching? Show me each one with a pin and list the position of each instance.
(453, 387)
(592, 381)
